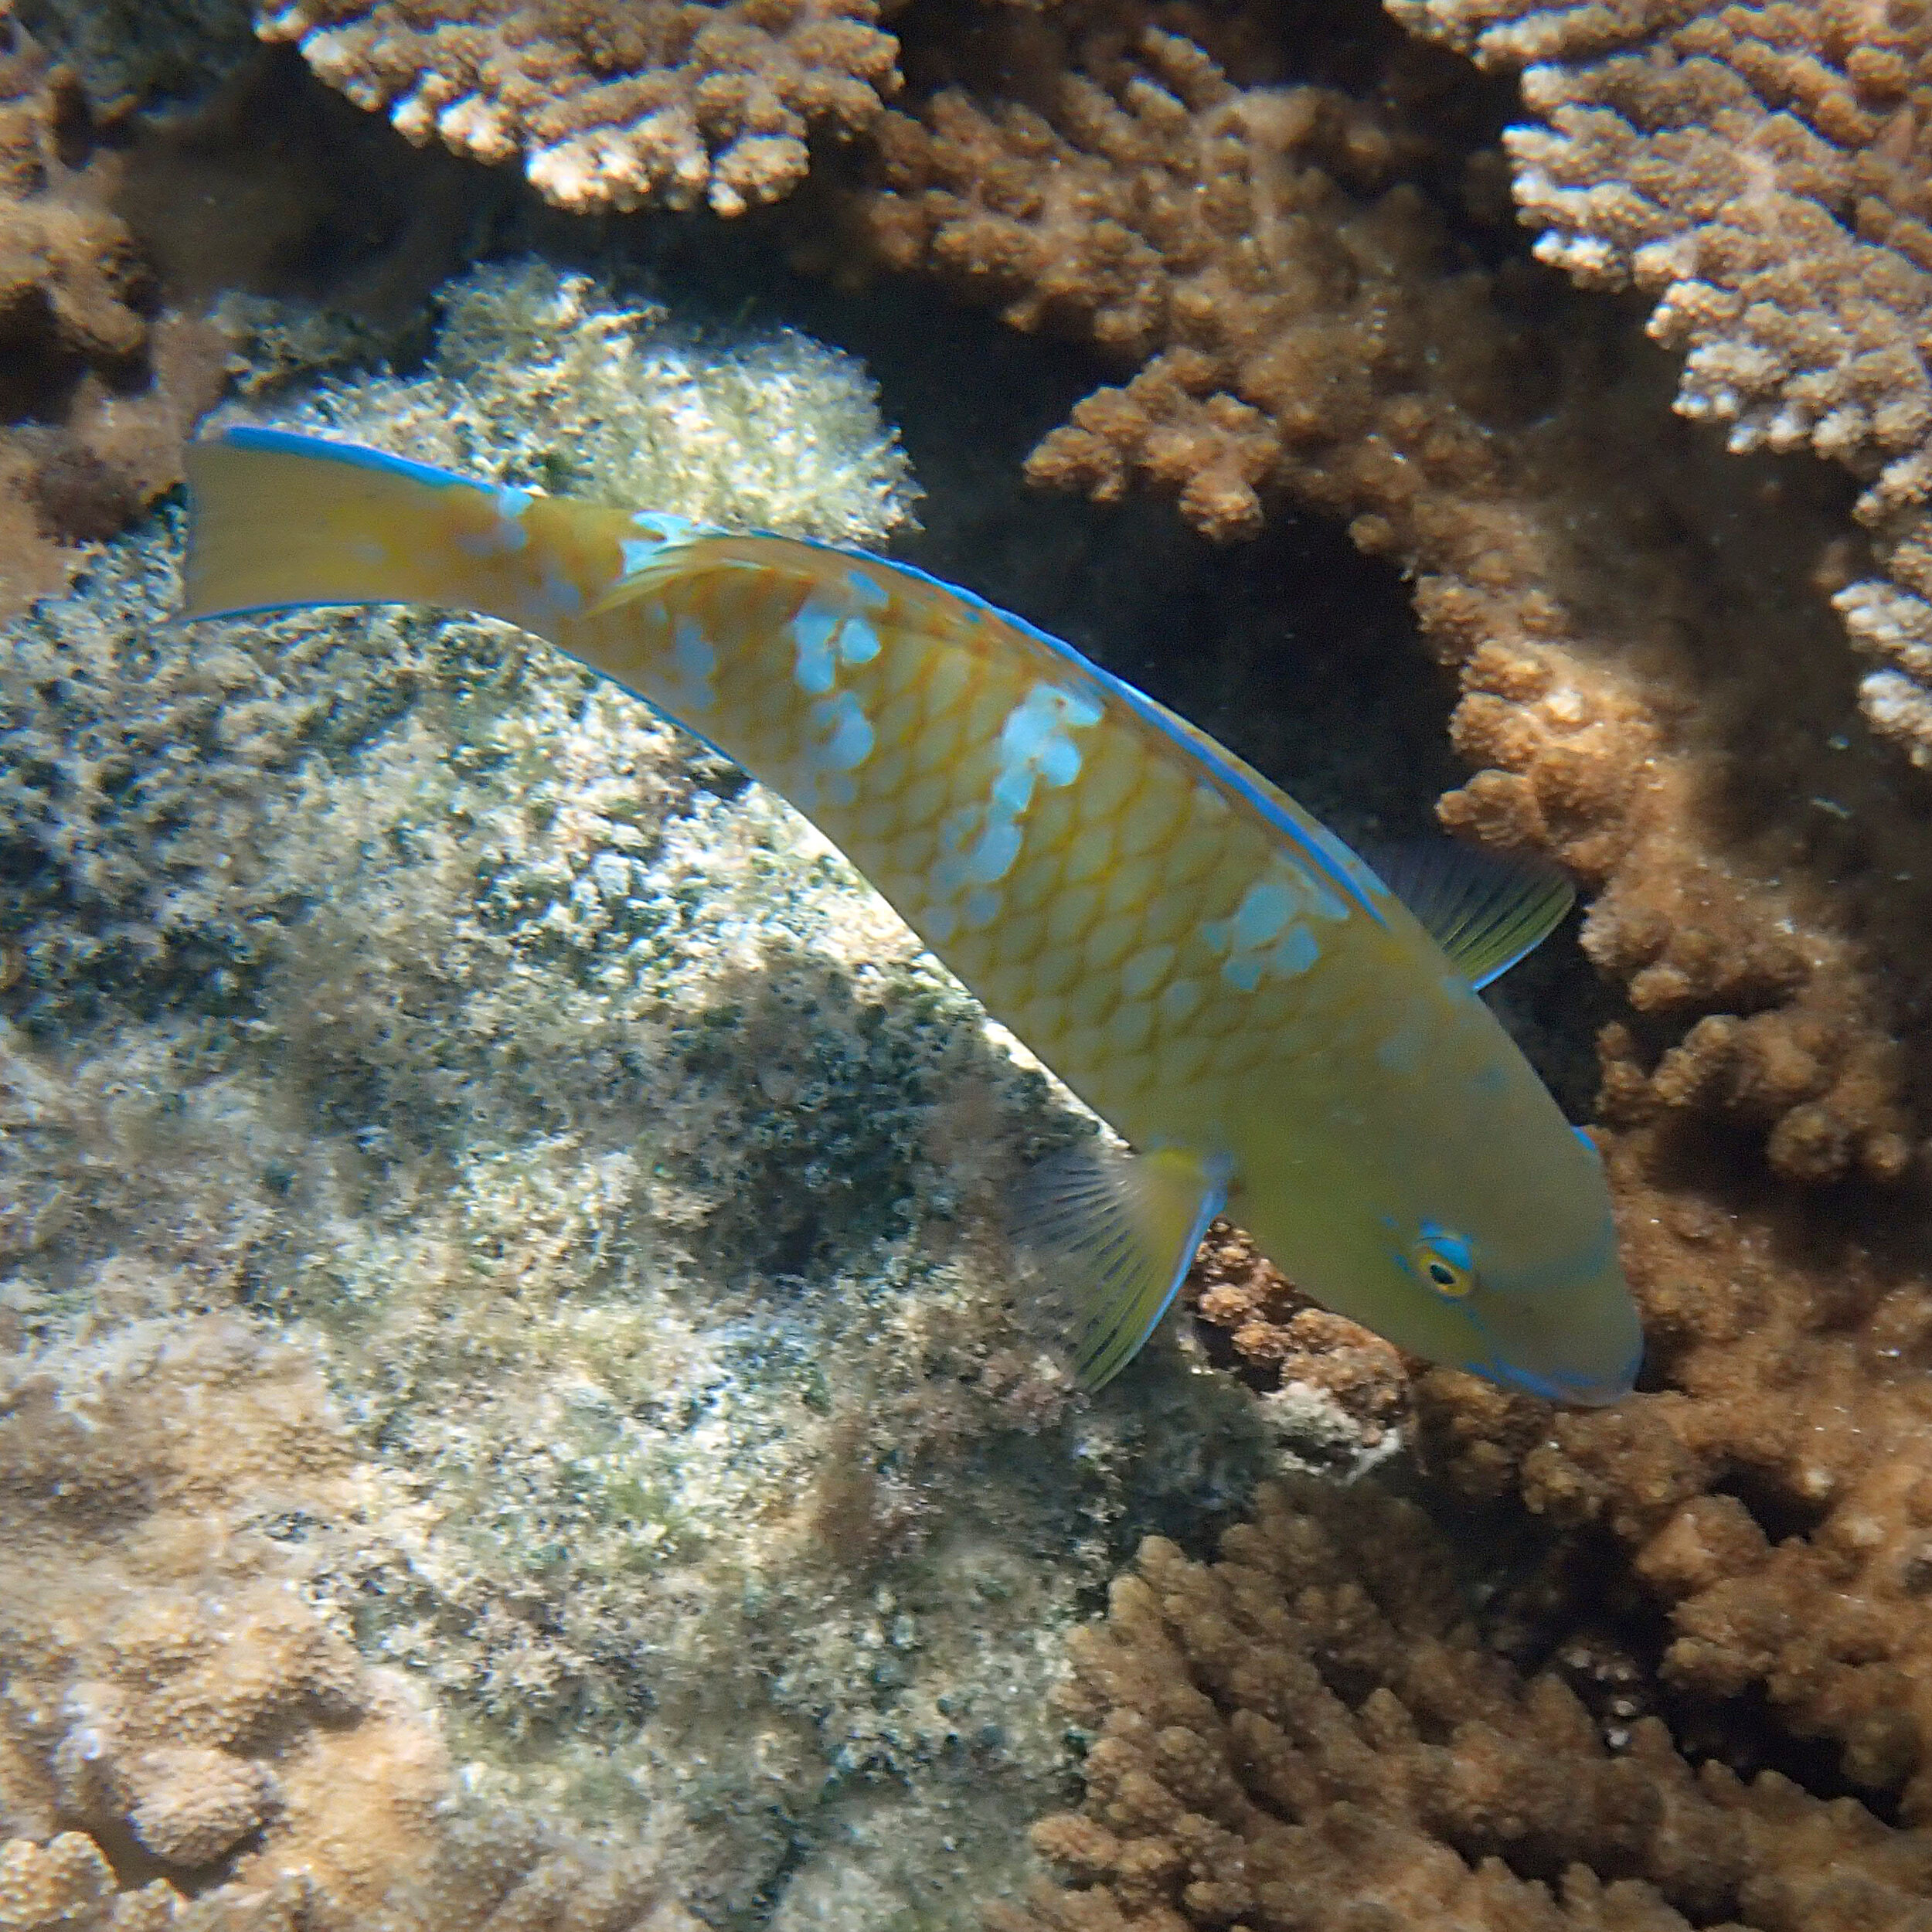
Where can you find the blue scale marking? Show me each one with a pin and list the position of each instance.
(1320, 847)
(848, 733)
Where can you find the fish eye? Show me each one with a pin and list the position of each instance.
(1443, 1260)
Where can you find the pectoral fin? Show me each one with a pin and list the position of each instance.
(1119, 1231)
(1485, 910)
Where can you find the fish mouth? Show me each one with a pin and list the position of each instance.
(1575, 1389)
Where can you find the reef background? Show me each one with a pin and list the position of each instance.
(516, 1408)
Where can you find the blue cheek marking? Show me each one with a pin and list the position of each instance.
(867, 590)
(858, 641)
(1454, 1248)
(638, 552)
(512, 504)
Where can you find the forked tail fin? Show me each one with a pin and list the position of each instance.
(277, 519)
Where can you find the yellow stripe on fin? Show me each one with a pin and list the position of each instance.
(1119, 1231)
(1485, 909)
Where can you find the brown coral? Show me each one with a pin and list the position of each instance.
(166, 1687)
(1304, 336)
(84, 441)
(612, 104)
(1762, 171)
(1279, 1337)
(1651, 690)
(1307, 1736)
(185, 1741)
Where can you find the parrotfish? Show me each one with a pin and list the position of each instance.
(1264, 1021)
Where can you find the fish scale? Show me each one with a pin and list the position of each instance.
(1213, 971)
(1112, 863)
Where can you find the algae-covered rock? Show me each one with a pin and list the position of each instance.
(629, 1170)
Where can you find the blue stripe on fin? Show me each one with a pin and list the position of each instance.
(1486, 910)
(255, 436)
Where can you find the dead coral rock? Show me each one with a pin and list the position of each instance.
(613, 103)
(1307, 1736)
(97, 382)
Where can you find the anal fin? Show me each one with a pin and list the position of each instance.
(1119, 1231)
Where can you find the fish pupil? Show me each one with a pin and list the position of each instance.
(1442, 1274)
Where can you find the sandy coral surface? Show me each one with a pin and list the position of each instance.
(613, 103)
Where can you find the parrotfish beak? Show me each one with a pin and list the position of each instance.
(1582, 1347)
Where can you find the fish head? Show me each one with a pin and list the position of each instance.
(1535, 1315)
(1504, 1268)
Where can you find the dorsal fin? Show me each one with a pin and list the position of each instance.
(1485, 909)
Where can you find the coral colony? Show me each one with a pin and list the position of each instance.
(517, 1406)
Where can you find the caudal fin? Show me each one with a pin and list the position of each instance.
(277, 519)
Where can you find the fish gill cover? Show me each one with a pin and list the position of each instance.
(381, 1424)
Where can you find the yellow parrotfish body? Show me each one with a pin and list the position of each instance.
(1214, 973)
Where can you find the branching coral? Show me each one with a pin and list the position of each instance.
(1173, 217)
(1284, 1342)
(613, 103)
(1762, 171)
(1307, 1737)
(1304, 337)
